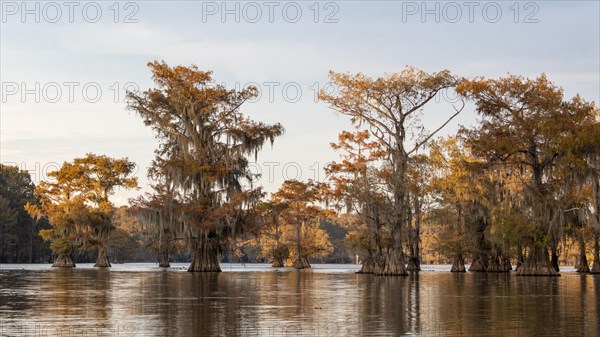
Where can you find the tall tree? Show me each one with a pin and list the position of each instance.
(390, 107)
(203, 154)
(528, 125)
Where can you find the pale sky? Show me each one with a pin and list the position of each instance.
(63, 78)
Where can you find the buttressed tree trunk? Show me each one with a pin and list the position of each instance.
(480, 263)
(554, 260)
(298, 262)
(494, 265)
(64, 261)
(596, 266)
(392, 263)
(537, 263)
(164, 260)
(414, 261)
(413, 264)
(206, 256)
(582, 264)
(368, 266)
(506, 265)
(102, 260)
(459, 264)
(499, 262)
(279, 255)
(277, 262)
(481, 259)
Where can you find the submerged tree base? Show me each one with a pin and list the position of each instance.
(164, 261)
(301, 263)
(537, 263)
(459, 265)
(278, 263)
(478, 266)
(64, 261)
(582, 265)
(595, 267)
(205, 257)
(391, 264)
(506, 265)
(102, 261)
(413, 264)
(498, 265)
(368, 266)
(297, 264)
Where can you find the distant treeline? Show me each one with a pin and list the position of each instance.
(20, 241)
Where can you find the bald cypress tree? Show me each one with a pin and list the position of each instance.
(205, 143)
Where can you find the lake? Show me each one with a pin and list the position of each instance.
(255, 300)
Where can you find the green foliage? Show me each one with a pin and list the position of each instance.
(19, 241)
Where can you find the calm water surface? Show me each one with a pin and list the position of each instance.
(254, 300)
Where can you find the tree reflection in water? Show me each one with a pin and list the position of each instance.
(289, 302)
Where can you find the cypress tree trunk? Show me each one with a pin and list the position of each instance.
(164, 260)
(368, 266)
(277, 262)
(392, 263)
(596, 265)
(537, 263)
(298, 263)
(480, 264)
(102, 260)
(520, 258)
(459, 264)
(505, 263)
(64, 261)
(482, 246)
(494, 265)
(554, 260)
(206, 256)
(279, 255)
(413, 260)
(305, 263)
(582, 264)
(414, 263)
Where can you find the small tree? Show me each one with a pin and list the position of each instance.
(301, 217)
(76, 204)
